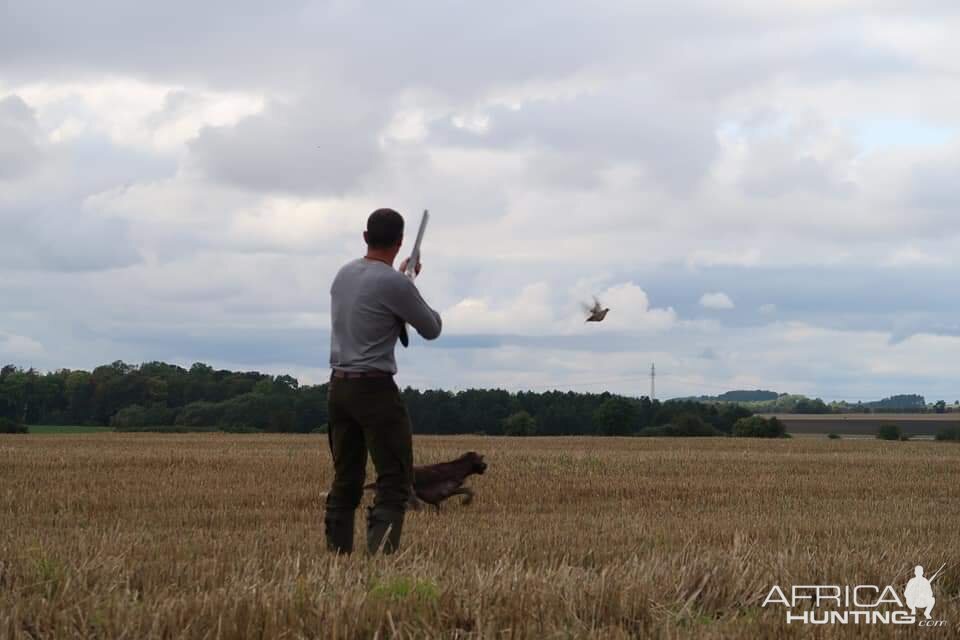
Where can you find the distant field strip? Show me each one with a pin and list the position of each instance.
(67, 429)
(913, 424)
(219, 536)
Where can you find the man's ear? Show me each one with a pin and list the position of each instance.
(365, 237)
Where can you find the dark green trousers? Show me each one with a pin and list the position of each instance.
(368, 415)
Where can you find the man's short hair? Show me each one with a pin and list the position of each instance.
(384, 229)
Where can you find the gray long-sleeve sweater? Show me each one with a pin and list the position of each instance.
(369, 301)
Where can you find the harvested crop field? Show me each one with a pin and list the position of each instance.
(219, 536)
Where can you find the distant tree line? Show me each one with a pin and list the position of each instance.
(740, 395)
(558, 413)
(157, 395)
(761, 401)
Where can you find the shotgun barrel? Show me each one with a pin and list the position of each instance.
(414, 258)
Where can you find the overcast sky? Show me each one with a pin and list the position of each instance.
(764, 193)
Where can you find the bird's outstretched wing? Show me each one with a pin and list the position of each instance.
(594, 313)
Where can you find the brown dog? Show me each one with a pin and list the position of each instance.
(434, 483)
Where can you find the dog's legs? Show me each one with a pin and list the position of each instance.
(466, 492)
(414, 503)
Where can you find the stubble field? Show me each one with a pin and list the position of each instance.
(219, 536)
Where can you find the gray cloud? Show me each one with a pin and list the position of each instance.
(44, 37)
(598, 130)
(318, 145)
(933, 186)
(796, 157)
(793, 174)
(488, 44)
(19, 147)
(45, 224)
(63, 241)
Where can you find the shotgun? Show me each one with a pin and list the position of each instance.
(411, 270)
(414, 258)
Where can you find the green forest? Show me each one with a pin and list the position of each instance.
(761, 401)
(161, 396)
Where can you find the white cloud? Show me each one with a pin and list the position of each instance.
(717, 300)
(535, 311)
(630, 311)
(908, 256)
(528, 311)
(20, 145)
(131, 112)
(15, 347)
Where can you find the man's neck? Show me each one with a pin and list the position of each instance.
(380, 257)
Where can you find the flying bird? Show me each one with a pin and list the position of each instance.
(596, 313)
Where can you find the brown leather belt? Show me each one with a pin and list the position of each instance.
(339, 373)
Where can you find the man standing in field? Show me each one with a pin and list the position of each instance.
(370, 302)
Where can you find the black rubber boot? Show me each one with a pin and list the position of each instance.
(339, 533)
(383, 530)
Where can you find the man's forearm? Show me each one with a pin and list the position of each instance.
(427, 322)
(408, 305)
